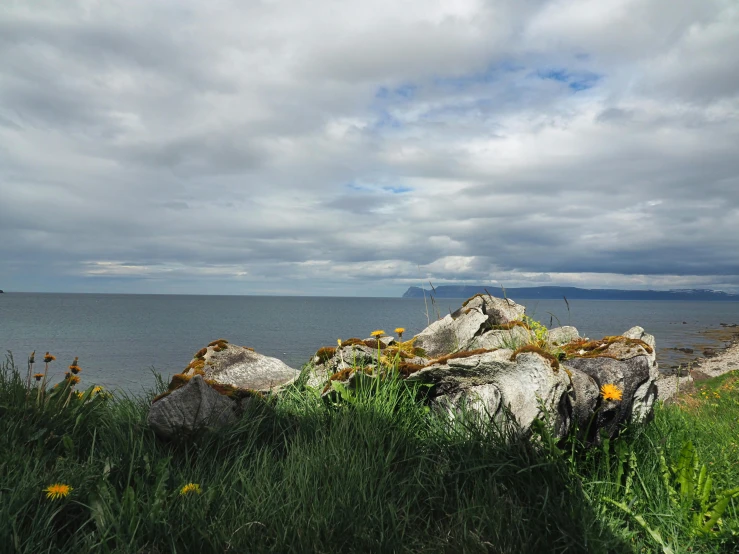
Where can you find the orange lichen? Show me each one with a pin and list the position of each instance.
(218, 342)
(196, 364)
(344, 374)
(406, 368)
(326, 353)
(582, 348)
(479, 294)
(375, 344)
(351, 342)
(553, 361)
(179, 380)
(462, 354)
(201, 353)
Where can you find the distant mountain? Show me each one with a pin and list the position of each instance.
(572, 293)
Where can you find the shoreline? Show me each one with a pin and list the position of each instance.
(699, 369)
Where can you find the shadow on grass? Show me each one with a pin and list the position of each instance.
(299, 475)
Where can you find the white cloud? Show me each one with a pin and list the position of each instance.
(361, 147)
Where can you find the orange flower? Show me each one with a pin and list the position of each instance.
(57, 490)
(38, 376)
(48, 358)
(73, 379)
(610, 392)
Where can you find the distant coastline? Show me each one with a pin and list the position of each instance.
(571, 293)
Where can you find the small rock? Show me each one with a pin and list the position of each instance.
(709, 353)
(190, 408)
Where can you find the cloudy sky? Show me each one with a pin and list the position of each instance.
(342, 147)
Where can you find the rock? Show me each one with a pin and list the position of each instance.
(498, 310)
(501, 338)
(562, 335)
(356, 355)
(584, 396)
(461, 329)
(490, 384)
(634, 376)
(639, 333)
(709, 353)
(686, 350)
(667, 387)
(449, 334)
(243, 368)
(190, 408)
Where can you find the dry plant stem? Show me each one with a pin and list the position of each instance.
(43, 381)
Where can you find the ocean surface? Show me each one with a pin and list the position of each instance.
(120, 339)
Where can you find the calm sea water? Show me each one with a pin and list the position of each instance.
(120, 338)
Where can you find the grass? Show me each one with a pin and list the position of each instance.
(370, 471)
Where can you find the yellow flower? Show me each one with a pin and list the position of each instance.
(49, 358)
(97, 390)
(378, 333)
(57, 490)
(73, 379)
(610, 392)
(190, 488)
(338, 341)
(399, 331)
(80, 394)
(38, 376)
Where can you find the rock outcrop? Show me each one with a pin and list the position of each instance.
(483, 359)
(214, 387)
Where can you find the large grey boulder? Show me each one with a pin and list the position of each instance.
(491, 384)
(498, 310)
(461, 330)
(191, 408)
(243, 368)
(532, 385)
(449, 334)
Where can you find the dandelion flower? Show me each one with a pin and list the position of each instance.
(190, 488)
(57, 491)
(338, 341)
(378, 333)
(73, 379)
(38, 376)
(80, 394)
(48, 358)
(610, 392)
(75, 369)
(399, 331)
(32, 358)
(96, 390)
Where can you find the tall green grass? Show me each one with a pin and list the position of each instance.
(370, 471)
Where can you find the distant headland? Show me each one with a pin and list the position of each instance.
(571, 293)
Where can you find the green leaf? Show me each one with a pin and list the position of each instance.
(68, 444)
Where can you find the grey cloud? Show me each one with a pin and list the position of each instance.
(167, 148)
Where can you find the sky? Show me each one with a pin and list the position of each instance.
(354, 148)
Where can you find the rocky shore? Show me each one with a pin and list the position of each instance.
(713, 363)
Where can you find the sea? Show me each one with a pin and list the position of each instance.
(123, 340)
